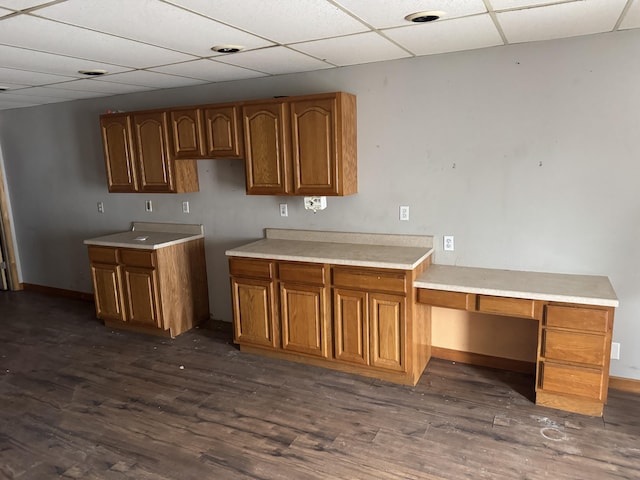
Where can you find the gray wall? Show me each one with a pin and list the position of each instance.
(528, 154)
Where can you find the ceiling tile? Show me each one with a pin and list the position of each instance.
(353, 49)
(560, 20)
(385, 13)
(284, 21)
(209, 70)
(191, 33)
(21, 4)
(32, 95)
(514, 4)
(29, 78)
(276, 61)
(57, 93)
(49, 36)
(447, 35)
(632, 18)
(94, 85)
(151, 79)
(10, 86)
(21, 59)
(10, 103)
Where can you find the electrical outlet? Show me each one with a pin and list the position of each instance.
(284, 210)
(448, 243)
(615, 351)
(185, 207)
(404, 213)
(148, 206)
(101, 207)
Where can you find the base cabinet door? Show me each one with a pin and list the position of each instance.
(304, 319)
(143, 306)
(351, 326)
(107, 288)
(386, 323)
(254, 312)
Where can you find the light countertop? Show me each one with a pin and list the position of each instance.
(585, 289)
(403, 252)
(150, 236)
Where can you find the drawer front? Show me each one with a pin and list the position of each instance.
(138, 258)
(302, 273)
(370, 280)
(577, 318)
(584, 382)
(515, 307)
(103, 255)
(442, 298)
(245, 267)
(574, 347)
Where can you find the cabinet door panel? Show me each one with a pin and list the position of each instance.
(313, 136)
(303, 315)
(266, 149)
(151, 137)
(351, 326)
(387, 327)
(106, 286)
(143, 307)
(223, 132)
(186, 133)
(253, 312)
(117, 144)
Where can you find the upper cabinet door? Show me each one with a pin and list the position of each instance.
(313, 152)
(152, 149)
(223, 132)
(266, 154)
(186, 133)
(324, 145)
(118, 150)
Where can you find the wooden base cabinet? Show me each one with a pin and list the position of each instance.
(359, 320)
(574, 356)
(161, 291)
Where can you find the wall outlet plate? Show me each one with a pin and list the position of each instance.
(448, 243)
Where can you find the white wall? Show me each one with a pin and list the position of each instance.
(528, 154)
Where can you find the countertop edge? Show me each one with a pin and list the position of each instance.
(333, 261)
(550, 297)
(155, 246)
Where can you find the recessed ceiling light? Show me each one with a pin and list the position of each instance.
(3, 88)
(424, 17)
(95, 72)
(227, 48)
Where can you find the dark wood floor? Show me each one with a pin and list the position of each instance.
(78, 400)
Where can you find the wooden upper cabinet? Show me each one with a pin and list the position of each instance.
(137, 155)
(302, 145)
(323, 145)
(223, 132)
(266, 150)
(187, 139)
(117, 142)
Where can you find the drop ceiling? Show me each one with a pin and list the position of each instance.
(156, 44)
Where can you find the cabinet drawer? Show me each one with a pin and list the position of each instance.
(245, 267)
(574, 347)
(138, 258)
(442, 298)
(584, 382)
(301, 273)
(577, 318)
(370, 280)
(515, 307)
(103, 255)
